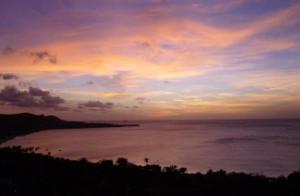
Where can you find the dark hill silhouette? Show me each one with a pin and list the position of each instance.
(12, 125)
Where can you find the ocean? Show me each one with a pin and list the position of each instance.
(269, 147)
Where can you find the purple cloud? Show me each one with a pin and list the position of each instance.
(44, 55)
(24, 84)
(33, 97)
(140, 99)
(96, 105)
(38, 92)
(90, 83)
(8, 76)
(144, 45)
(8, 50)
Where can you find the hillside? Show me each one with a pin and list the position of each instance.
(12, 125)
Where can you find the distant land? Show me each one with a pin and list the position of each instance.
(12, 125)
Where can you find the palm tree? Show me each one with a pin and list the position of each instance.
(146, 160)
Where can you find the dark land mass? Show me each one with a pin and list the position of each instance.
(26, 123)
(23, 172)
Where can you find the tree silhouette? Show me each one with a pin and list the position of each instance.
(146, 160)
(122, 162)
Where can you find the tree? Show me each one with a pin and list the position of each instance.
(146, 160)
(122, 162)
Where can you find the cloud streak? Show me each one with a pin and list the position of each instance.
(8, 76)
(96, 105)
(43, 55)
(214, 52)
(8, 50)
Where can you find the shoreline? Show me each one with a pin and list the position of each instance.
(5, 140)
(13, 125)
(2, 141)
(48, 153)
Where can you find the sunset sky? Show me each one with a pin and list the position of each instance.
(150, 59)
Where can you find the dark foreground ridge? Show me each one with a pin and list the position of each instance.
(25, 123)
(23, 172)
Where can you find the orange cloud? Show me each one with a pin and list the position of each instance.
(114, 95)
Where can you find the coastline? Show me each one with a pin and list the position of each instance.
(180, 149)
(31, 173)
(5, 140)
(2, 141)
(12, 125)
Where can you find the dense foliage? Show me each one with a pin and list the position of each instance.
(23, 172)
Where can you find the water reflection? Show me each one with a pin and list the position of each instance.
(198, 146)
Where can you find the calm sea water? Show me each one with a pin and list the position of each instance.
(270, 147)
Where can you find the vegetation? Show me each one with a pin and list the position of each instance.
(23, 172)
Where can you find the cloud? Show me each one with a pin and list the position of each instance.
(96, 105)
(33, 98)
(133, 47)
(24, 84)
(144, 45)
(90, 83)
(43, 55)
(140, 99)
(282, 18)
(217, 6)
(38, 92)
(8, 76)
(8, 50)
(115, 95)
(112, 85)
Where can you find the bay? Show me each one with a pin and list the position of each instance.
(269, 147)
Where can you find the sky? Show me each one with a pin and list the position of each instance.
(150, 59)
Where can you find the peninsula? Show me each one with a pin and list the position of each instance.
(12, 125)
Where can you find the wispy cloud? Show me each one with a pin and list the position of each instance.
(8, 50)
(219, 55)
(43, 55)
(8, 76)
(141, 100)
(96, 105)
(114, 95)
